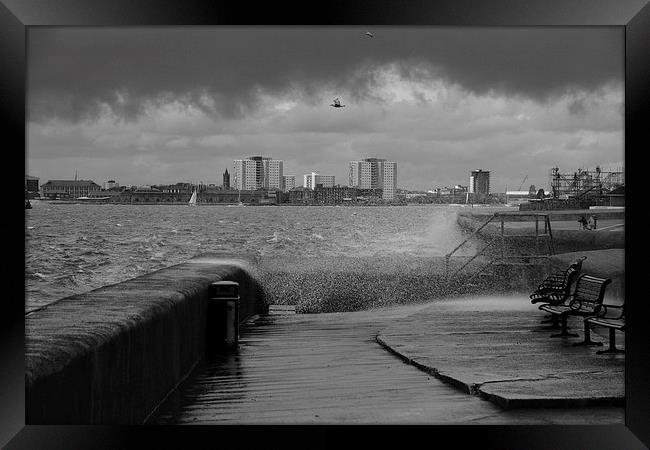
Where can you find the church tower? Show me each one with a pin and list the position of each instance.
(226, 180)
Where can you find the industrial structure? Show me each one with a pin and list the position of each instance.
(583, 183)
(582, 189)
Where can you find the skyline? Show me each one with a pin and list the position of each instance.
(160, 105)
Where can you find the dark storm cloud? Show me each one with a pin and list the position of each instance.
(73, 73)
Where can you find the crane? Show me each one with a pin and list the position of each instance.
(522, 182)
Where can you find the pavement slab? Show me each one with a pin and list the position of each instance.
(496, 348)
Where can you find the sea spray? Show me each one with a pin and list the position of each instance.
(317, 285)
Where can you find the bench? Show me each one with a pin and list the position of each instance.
(613, 323)
(556, 288)
(585, 300)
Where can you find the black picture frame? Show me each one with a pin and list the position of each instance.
(634, 15)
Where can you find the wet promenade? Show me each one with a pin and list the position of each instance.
(332, 369)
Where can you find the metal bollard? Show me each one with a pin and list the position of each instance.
(223, 315)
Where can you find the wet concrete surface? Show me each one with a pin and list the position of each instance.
(496, 347)
(331, 369)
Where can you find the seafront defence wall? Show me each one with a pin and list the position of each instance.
(111, 355)
(604, 249)
(604, 263)
(565, 241)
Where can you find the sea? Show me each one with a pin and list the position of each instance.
(74, 248)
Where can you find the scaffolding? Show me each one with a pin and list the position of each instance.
(584, 183)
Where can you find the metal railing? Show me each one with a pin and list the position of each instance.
(502, 238)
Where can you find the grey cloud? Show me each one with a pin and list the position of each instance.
(577, 107)
(73, 72)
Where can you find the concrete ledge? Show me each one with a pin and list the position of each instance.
(111, 355)
(576, 391)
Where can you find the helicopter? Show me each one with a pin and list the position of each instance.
(337, 103)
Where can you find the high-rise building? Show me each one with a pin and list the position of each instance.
(374, 173)
(226, 180)
(389, 184)
(311, 180)
(258, 172)
(479, 182)
(289, 182)
(275, 174)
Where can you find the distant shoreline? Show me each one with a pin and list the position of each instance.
(91, 202)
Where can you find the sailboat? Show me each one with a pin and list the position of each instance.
(192, 201)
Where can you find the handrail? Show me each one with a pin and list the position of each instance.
(479, 253)
(470, 237)
(547, 229)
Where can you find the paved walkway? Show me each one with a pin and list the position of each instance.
(496, 347)
(330, 369)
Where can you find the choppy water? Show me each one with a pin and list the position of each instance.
(75, 248)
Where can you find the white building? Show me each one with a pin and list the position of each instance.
(374, 173)
(310, 180)
(258, 172)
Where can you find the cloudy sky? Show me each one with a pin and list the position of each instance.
(160, 104)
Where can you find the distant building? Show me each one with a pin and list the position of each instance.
(226, 180)
(518, 197)
(69, 188)
(146, 189)
(31, 184)
(374, 173)
(111, 184)
(258, 172)
(389, 185)
(178, 188)
(334, 195)
(479, 182)
(311, 180)
(289, 182)
(276, 175)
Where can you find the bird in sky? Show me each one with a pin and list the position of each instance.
(369, 34)
(337, 103)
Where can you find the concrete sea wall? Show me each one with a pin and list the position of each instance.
(110, 356)
(604, 249)
(603, 263)
(565, 241)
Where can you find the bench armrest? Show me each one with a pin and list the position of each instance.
(606, 307)
(603, 309)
